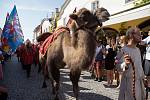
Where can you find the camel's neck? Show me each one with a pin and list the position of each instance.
(86, 40)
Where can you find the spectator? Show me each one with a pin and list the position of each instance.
(28, 57)
(146, 42)
(146, 61)
(119, 59)
(109, 61)
(98, 61)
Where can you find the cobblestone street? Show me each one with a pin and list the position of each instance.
(21, 88)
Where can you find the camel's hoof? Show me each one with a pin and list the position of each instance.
(44, 85)
(53, 91)
(56, 98)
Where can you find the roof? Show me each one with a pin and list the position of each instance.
(37, 28)
(45, 19)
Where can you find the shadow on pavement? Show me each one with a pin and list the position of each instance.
(66, 93)
(87, 77)
(111, 86)
(94, 96)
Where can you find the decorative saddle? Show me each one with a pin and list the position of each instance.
(51, 38)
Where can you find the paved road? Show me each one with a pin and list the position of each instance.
(21, 88)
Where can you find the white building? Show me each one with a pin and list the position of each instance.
(36, 33)
(42, 28)
(122, 12)
(45, 25)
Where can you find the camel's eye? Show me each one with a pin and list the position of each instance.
(73, 16)
(85, 15)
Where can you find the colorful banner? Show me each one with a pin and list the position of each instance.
(12, 33)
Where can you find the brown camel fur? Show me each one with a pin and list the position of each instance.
(76, 51)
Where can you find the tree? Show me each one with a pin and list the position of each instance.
(141, 2)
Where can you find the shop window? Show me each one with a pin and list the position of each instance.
(127, 1)
(94, 5)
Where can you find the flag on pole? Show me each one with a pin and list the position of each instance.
(12, 32)
(4, 36)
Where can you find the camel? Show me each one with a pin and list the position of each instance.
(75, 51)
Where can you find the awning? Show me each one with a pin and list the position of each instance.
(138, 15)
(131, 23)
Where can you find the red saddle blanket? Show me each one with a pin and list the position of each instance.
(50, 39)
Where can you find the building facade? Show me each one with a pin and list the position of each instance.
(36, 33)
(47, 25)
(124, 13)
(44, 27)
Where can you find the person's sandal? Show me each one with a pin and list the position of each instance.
(96, 79)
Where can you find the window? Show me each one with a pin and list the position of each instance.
(127, 1)
(94, 5)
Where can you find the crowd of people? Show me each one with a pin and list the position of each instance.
(122, 60)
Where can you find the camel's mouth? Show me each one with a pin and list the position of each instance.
(105, 17)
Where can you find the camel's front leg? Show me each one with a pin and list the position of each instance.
(74, 77)
(55, 81)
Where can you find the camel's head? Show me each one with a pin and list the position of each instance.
(88, 19)
(102, 14)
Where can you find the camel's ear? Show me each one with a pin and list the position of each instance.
(73, 16)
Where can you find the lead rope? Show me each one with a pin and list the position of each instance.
(133, 80)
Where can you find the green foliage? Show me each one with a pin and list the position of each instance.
(141, 2)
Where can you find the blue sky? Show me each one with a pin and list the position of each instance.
(30, 12)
